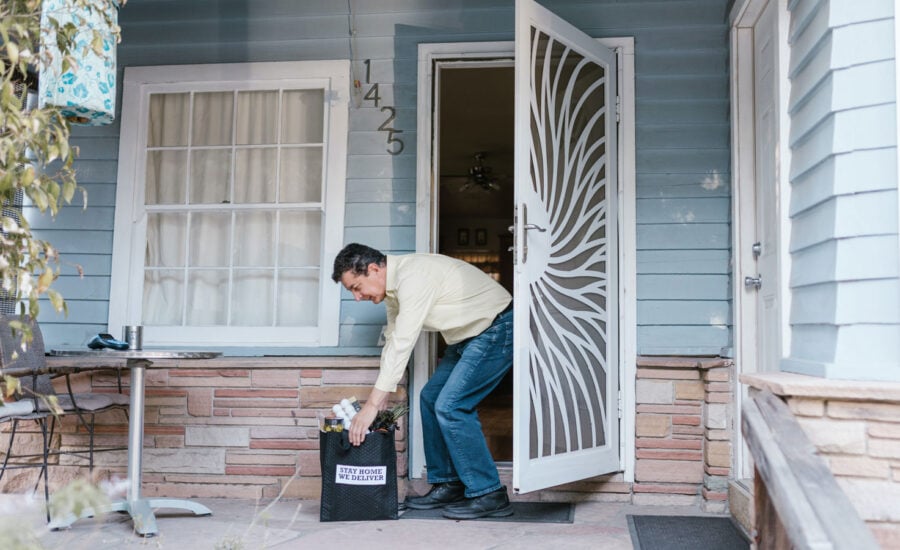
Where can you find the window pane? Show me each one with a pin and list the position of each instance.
(301, 175)
(165, 177)
(300, 239)
(257, 114)
(163, 297)
(303, 116)
(207, 296)
(298, 298)
(254, 175)
(165, 239)
(168, 120)
(210, 176)
(252, 303)
(212, 118)
(210, 240)
(254, 239)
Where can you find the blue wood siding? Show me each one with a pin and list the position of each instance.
(844, 247)
(682, 135)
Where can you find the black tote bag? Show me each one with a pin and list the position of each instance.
(358, 483)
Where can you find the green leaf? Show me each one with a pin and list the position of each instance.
(45, 280)
(69, 191)
(12, 52)
(39, 198)
(97, 44)
(10, 386)
(56, 300)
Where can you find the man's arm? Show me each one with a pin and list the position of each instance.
(364, 418)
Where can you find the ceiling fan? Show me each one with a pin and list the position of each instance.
(479, 176)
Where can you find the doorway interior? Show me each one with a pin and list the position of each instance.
(474, 155)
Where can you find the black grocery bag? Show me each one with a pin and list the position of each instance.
(358, 483)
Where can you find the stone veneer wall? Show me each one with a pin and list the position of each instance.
(684, 429)
(229, 427)
(856, 428)
(243, 427)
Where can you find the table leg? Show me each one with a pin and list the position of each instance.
(140, 509)
(138, 368)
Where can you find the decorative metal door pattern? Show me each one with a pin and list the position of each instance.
(566, 387)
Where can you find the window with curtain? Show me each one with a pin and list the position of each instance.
(236, 204)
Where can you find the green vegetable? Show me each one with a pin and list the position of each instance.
(387, 419)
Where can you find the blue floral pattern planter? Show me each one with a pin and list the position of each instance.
(86, 94)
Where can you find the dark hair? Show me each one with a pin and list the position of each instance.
(356, 258)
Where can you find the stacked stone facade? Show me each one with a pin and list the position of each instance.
(684, 428)
(230, 427)
(855, 426)
(248, 428)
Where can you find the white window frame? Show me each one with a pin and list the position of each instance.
(129, 237)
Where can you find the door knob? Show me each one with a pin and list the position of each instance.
(753, 282)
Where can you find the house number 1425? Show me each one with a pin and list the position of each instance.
(395, 144)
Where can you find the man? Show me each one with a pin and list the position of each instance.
(474, 314)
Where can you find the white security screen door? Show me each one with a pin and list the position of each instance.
(566, 425)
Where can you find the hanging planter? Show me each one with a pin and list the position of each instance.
(85, 93)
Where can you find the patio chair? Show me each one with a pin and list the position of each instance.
(14, 413)
(29, 367)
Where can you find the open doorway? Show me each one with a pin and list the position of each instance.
(474, 153)
(435, 61)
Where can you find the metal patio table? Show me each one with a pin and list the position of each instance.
(140, 509)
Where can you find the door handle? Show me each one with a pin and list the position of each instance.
(528, 226)
(753, 282)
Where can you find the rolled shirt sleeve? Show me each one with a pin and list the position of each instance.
(413, 301)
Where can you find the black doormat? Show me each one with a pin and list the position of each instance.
(685, 533)
(527, 512)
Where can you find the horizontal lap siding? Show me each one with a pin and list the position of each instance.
(682, 134)
(844, 205)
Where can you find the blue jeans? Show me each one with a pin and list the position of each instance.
(455, 448)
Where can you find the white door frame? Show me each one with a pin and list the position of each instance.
(426, 224)
(743, 16)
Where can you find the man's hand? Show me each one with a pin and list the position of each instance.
(360, 424)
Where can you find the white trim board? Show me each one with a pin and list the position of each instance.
(426, 209)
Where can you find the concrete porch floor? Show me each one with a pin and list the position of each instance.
(244, 525)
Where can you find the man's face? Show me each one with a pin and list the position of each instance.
(370, 286)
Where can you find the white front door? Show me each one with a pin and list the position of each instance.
(759, 160)
(765, 82)
(565, 412)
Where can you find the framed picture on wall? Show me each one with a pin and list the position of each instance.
(480, 236)
(462, 237)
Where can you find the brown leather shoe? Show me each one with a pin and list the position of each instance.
(441, 494)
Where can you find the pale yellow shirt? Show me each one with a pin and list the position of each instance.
(437, 294)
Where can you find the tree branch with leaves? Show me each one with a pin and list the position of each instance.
(36, 158)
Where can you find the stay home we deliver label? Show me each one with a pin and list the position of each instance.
(360, 475)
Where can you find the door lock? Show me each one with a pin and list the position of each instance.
(753, 282)
(756, 249)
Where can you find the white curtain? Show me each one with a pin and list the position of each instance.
(233, 266)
